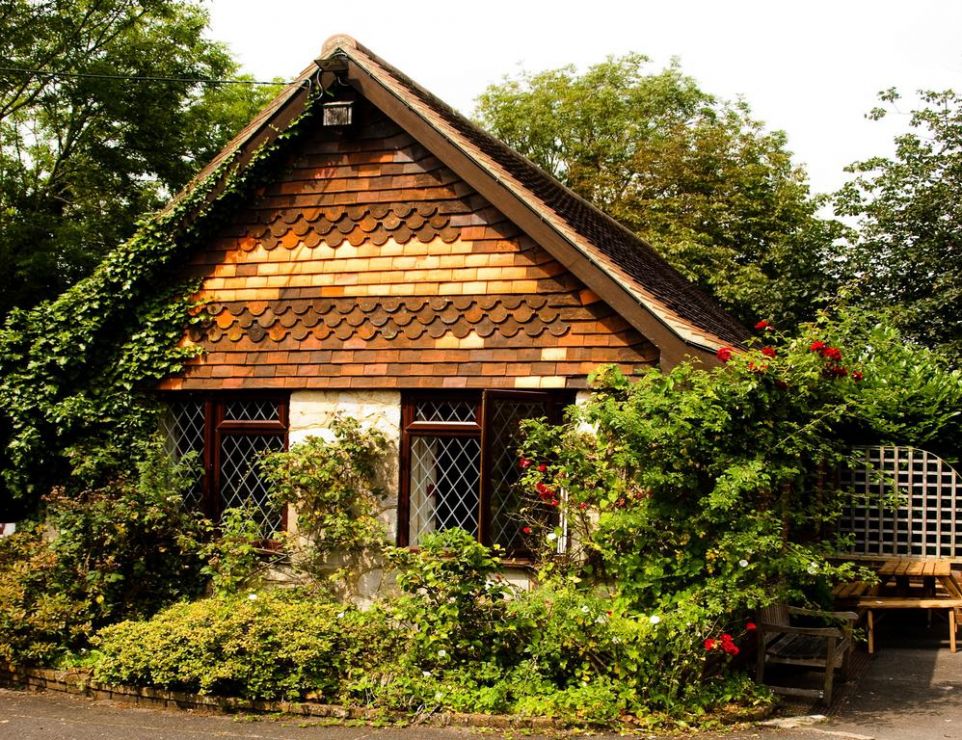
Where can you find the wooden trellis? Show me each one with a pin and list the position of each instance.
(905, 502)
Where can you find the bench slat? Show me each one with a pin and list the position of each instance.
(898, 602)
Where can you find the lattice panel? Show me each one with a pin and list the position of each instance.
(446, 411)
(240, 479)
(183, 428)
(504, 422)
(252, 410)
(906, 502)
(445, 484)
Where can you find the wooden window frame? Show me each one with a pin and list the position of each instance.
(216, 427)
(556, 401)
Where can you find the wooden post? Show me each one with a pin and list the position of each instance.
(871, 632)
(829, 671)
(847, 655)
(952, 628)
(760, 657)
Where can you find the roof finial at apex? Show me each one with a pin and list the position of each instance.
(338, 41)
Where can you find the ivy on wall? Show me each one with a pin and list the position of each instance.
(76, 372)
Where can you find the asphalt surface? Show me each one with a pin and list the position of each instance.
(912, 691)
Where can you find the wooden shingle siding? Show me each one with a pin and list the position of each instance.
(369, 264)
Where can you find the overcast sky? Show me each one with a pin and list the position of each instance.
(812, 69)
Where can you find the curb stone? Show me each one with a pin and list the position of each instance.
(79, 682)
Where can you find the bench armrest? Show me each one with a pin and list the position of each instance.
(841, 616)
(787, 629)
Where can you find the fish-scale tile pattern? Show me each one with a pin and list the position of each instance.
(370, 317)
(369, 264)
(333, 225)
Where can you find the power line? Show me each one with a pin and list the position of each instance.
(135, 78)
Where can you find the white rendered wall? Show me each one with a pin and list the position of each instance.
(311, 414)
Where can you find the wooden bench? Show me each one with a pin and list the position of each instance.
(829, 648)
(871, 603)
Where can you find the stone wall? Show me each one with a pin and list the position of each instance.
(311, 414)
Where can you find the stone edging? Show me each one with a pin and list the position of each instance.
(78, 681)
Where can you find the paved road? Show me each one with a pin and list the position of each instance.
(913, 692)
(50, 716)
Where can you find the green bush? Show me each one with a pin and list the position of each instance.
(236, 559)
(456, 638)
(261, 645)
(36, 623)
(121, 551)
(334, 486)
(453, 606)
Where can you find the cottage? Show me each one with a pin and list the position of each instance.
(410, 270)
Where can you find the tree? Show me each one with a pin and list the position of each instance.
(124, 123)
(699, 179)
(907, 249)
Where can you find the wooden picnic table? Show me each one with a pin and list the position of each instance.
(903, 569)
(929, 570)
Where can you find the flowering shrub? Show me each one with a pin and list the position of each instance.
(453, 605)
(707, 491)
(334, 487)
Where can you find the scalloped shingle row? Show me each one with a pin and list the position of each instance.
(371, 265)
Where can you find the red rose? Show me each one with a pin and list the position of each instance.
(816, 346)
(769, 351)
(543, 490)
(726, 638)
(526, 530)
(857, 376)
(731, 649)
(553, 502)
(750, 626)
(583, 505)
(832, 353)
(524, 463)
(710, 644)
(724, 354)
(542, 468)
(762, 325)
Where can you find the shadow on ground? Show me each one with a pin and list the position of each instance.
(911, 688)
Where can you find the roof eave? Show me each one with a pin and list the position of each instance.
(540, 223)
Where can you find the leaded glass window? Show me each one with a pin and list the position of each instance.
(241, 483)
(504, 417)
(229, 434)
(461, 464)
(183, 425)
(445, 484)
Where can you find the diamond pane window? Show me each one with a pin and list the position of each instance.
(445, 484)
(252, 410)
(461, 458)
(241, 483)
(183, 427)
(446, 411)
(504, 428)
(228, 435)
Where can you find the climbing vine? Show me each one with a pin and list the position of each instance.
(75, 372)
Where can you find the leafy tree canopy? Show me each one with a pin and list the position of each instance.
(698, 178)
(907, 249)
(83, 153)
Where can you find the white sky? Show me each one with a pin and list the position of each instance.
(812, 69)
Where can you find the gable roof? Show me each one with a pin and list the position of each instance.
(622, 269)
